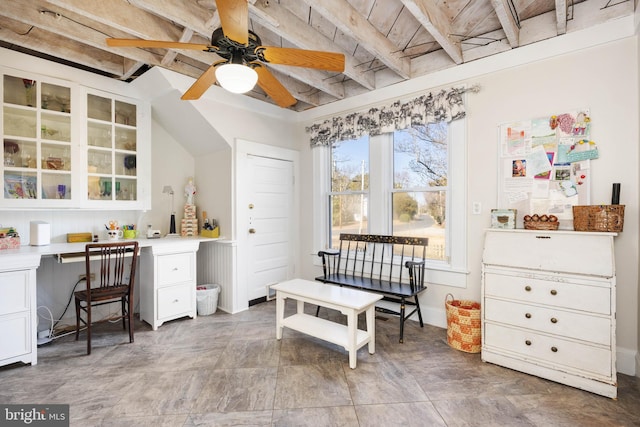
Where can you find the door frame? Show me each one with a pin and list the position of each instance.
(241, 191)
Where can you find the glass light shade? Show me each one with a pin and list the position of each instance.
(236, 78)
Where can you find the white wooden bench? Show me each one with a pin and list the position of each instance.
(349, 302)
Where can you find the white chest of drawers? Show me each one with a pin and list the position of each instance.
(168, 282)
(548, 306)
(18, 322)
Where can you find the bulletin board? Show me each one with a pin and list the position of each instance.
(544, 165)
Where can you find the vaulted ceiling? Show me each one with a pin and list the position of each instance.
(384, 41)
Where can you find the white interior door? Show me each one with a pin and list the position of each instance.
(269, 214)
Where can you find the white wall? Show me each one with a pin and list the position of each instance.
(603, 78)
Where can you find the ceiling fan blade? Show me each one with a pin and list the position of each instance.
(157, 44)
(203, 83)
(234, 19)
(273, 87)
(329, 61)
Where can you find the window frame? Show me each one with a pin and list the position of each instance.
(453, 270)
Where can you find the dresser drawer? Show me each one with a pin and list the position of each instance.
(566, 252)
(174, 300)
(176, 268)
(579, 326)
(14, 292)
(592, 299)
(15, 335)
(549, 350)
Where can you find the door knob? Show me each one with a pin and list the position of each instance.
(252, 231)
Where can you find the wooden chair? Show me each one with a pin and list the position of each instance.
(114, 272)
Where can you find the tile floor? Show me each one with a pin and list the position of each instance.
(229, 370)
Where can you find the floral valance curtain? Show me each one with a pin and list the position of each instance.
(445, 105)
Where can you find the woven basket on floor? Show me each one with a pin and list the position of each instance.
(463, 324)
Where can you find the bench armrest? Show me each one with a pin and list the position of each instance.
(332, 252)
(329, 265)
(416, 273)
(413, 264)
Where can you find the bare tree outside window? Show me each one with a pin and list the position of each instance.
(419, 192)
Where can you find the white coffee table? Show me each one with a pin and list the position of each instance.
(349, 302)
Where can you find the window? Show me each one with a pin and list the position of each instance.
(349, 195)
(419, 194)
(410, 182)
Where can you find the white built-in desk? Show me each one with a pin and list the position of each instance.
(168, 263)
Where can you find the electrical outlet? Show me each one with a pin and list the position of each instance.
(84, 276)
(477, 208)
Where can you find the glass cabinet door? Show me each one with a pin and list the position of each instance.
(36, 129)
(111, 149)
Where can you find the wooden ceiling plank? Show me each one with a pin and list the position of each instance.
(508, 22)
(170, 56)
(40, 40)
(561, 16)
(315, 78)
(132, 20)
(305, 37)
(350, 22)
(185, 13)
(436, 22)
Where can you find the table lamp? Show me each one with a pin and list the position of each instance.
(172, 224)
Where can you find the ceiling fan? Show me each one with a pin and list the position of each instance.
(243, 56)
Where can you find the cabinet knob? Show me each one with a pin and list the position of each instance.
(554, 320)
(176, 300)
(554, 292)
(554, 349)
(528, 315)
(527, 288)
(527, 342)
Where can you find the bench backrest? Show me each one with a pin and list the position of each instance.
(379, 257)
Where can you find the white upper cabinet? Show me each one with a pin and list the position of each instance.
(67, 146)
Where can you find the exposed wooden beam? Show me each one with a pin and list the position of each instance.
(433, 19)
(303, 36)
(508, 22)
(561, 16)
(353, 24)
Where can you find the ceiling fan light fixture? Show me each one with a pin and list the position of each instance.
(236, 78)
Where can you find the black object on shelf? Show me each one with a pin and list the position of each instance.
(615, 194)
(172, 226)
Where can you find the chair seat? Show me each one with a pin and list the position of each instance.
(98, 294)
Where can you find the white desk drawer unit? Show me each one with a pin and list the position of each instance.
(168, 282)
(18, 323)
(549, 306)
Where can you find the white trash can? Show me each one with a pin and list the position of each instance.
(207, 299)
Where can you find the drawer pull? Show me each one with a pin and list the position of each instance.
(554, 320)
(527, 288)
(528, 315)
(176, 300)
(554, 292)
(554, 349)
(175, 268)
(527, 342)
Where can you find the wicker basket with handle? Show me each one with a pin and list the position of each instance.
(463, 324)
